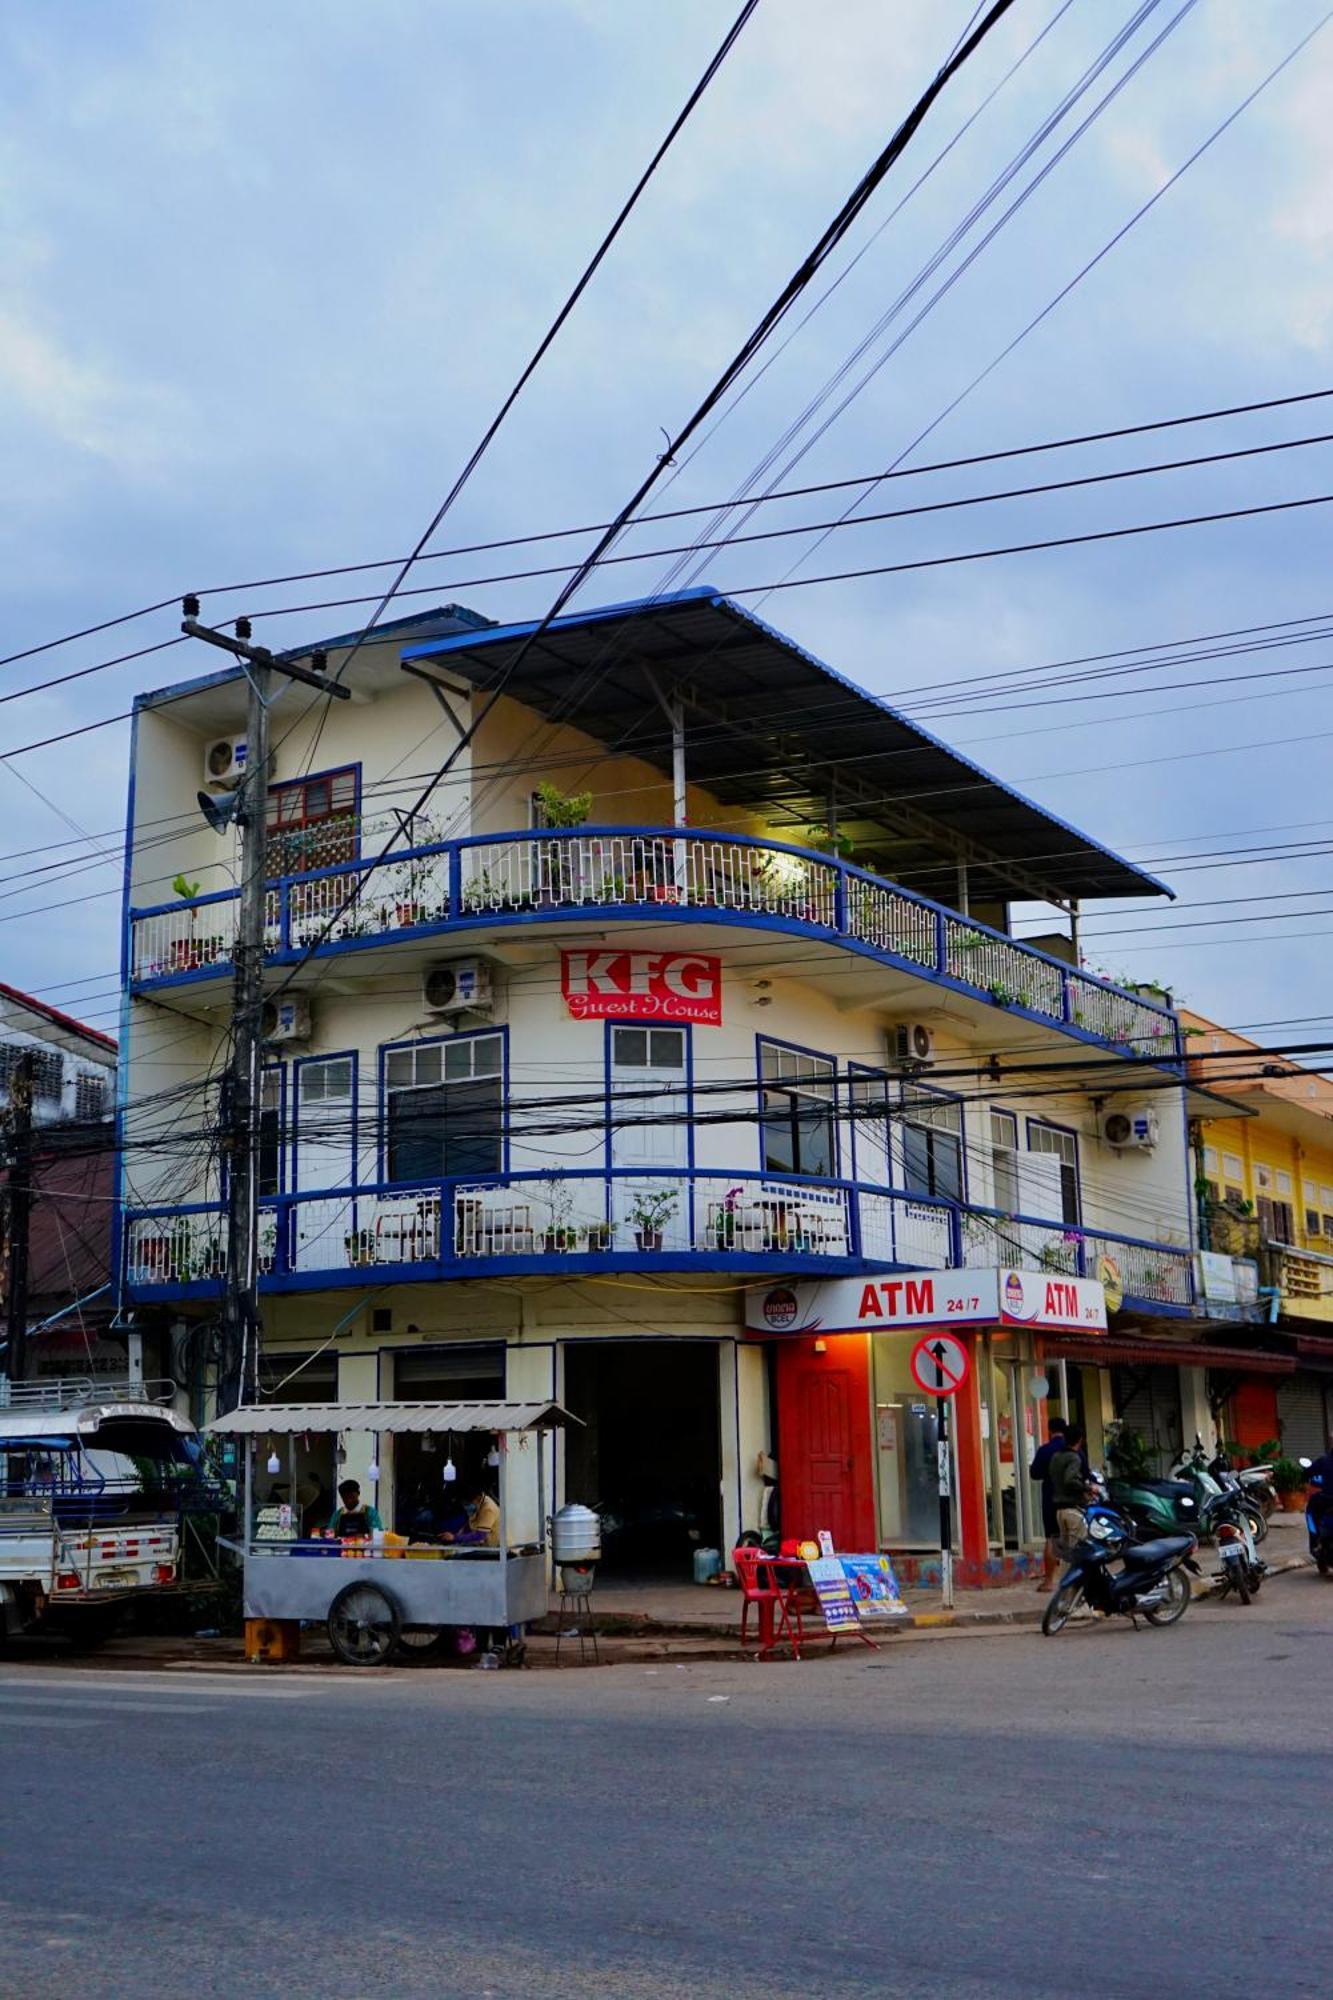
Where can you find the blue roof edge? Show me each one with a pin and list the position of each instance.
(495, 634)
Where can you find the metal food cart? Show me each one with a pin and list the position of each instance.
(374, 1599)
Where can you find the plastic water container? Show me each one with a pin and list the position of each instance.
(707, 1563)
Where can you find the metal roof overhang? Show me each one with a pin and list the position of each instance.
(285, 1419)
(50, 1426)
(769, 726)
(1169, 1353)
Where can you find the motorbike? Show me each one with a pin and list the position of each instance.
(1241, 1569)
(1153, 1580)
(1219, 1499)
(1254, 1481)
(1320, 1528)
(1157, 1506)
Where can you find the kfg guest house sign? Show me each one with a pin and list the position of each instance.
(642, 986)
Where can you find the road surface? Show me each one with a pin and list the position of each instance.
(1108, 1813)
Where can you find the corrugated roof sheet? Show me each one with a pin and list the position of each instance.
(766, 725)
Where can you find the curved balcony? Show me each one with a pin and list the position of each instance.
(624, 1220)
(643, 874)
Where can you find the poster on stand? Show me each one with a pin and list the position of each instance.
(829, 1581)
(873, 1588)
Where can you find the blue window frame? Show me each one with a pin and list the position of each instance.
(272, 1128)
(933, 1143)
(1060, 1143)
(798, 1105)
(442, 1106)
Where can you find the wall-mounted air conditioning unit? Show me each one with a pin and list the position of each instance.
(224, 763)
(461, 986)
(1130, 1131)
(286, 1019)
(912, 1042)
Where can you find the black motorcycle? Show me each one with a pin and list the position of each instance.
(1152, 1579)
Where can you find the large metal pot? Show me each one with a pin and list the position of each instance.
(576, 1535)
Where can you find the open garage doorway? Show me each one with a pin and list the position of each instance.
(648, 1455)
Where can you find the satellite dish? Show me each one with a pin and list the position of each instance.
(219, 811)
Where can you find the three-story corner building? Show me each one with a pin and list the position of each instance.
(690, 986)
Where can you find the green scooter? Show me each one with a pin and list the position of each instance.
(1157, 1506)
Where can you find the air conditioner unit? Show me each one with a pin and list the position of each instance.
(1131, 1131)
(224, 763)
(912, 1042)
(462, 986)
(286, 1020)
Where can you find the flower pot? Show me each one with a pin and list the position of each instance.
(648, 1239)
(407, 914)
(1293, 1503)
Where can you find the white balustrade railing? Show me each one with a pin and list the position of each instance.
(614, 870)
(1009, 974)
(889, 921)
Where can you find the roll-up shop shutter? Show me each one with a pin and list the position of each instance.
(1148, 1400)
(1302, 1415)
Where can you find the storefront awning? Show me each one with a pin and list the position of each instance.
(1167, 1353)
(287, 1419)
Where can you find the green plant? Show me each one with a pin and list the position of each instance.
(653, 1208)
(1267, 1452)
(1127, 1453)
(187, 891)
(1288, 1476)
(829, 843)
(562, 808)
(1001, 994)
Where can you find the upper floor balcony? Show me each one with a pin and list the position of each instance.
(452, 890)
(567, 1222)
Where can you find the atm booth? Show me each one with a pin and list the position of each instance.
(856, 1435)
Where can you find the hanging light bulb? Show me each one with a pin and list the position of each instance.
(449, 1471)
(274, 1462)
(373, 1470)
(493, 1455)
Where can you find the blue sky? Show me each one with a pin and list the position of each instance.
(270, 270)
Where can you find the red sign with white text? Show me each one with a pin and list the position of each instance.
(642, 986)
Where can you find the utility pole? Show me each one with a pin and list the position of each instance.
(20, 1214)
(242, 1103)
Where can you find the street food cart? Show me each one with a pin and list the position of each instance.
(377, 1594)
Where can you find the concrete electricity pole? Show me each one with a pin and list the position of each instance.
(20, 1214)
(242, 1103)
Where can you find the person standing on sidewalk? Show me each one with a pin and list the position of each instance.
(1040, 1470)
(1069, 1488)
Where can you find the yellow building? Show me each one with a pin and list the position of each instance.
(1264, 1178)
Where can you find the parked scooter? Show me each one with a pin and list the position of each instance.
(1218, 1500)
(1241, 1569)
(1254, 1481)
(1319, 1523)
(1152, 1580)
(1157, 1506)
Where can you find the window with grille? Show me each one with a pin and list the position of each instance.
(1063, 1146)
(89, 1097)
(270, 1131)
(48, 1069)
(312, 823)
(1313, 1222)
(797, 1093)
(444, 1108)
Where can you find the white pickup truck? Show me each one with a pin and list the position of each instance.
(89, 1507)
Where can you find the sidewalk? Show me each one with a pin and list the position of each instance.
(674, 1622)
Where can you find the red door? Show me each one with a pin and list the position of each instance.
(824, 1443)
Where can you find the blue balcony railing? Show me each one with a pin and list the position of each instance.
(626, 1219)
(634, 874)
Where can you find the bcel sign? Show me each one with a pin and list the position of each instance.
(642, 986)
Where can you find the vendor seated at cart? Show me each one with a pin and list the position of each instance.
(350, 1518)
(483, 1522)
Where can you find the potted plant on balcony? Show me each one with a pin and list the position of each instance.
(652, 1209)
(1289, 1483)
(725, 1222)
(601, 1235)
(560, 1235)
(182, 951)
(359, 1246)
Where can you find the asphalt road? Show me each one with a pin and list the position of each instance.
(1108, 1813)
